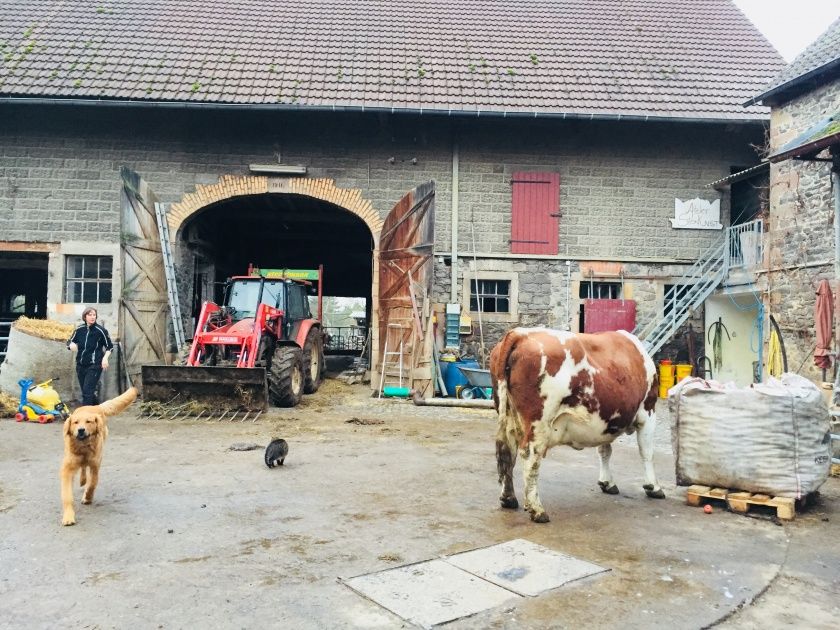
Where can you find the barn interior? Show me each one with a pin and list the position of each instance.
(279, 231)
(23, 289)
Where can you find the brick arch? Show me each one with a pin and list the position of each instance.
(350, 199)
(230, 186)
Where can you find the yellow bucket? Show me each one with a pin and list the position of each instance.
(666, 378)
(683, 371)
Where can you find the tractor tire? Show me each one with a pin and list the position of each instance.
(285, 376)
(313, 361)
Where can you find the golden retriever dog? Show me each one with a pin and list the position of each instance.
(84, 440)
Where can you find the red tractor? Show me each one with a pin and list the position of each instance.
(261, 345)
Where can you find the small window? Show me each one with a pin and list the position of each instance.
(88, 279)
(600, 290)
(490, 296)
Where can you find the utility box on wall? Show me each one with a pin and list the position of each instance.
(600, 315)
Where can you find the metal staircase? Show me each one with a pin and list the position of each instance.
(731, 259)
(687, 293)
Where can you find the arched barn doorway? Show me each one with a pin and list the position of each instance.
(295, 223)
(281, 223)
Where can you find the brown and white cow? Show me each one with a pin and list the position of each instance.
(553, 387)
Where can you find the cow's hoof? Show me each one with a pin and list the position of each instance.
(509, 503)
(653, 494)
(542, 517)
(608, 488)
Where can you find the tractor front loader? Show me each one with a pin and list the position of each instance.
(262, 345)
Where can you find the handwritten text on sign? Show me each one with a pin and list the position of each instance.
(697, 214)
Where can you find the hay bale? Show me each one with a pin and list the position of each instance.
(8, 405)
(44, 328)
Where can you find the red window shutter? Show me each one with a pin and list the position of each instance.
(535, 213)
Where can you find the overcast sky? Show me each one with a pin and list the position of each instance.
(791, 25)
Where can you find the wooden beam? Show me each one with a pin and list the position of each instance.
(22, 246)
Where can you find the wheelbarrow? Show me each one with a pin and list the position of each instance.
(479, 384)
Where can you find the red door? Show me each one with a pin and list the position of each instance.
(535, 213)
(602, 315)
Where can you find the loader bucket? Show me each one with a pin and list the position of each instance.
(209, 388)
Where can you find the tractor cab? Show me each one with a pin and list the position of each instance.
(244, 294)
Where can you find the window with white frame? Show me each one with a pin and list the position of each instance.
(496, 292)
(87, 279)
(490, 296)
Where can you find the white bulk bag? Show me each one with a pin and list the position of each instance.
(770, 438)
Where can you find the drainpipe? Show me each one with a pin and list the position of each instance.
(453, 292)
(835, 177)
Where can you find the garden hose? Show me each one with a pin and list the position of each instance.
(717, 341)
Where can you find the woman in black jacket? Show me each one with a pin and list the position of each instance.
(93, 346)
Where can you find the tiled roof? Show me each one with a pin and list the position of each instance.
(823, 52)
(658, 58)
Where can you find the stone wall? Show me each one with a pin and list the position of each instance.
(59, 180)
(547, 294)
(800, 239)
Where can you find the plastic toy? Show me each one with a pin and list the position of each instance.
(40, 402)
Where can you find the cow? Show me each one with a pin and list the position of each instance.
(552, 387)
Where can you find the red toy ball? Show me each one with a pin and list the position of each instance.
(707, 509)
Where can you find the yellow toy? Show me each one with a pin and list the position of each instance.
(40, 403)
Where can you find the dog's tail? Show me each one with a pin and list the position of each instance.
(116, 405)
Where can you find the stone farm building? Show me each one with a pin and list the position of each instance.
(553, 157)
(803, 236)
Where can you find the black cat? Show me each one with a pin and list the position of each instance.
(276, 452)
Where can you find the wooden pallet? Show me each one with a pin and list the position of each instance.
(741, 501)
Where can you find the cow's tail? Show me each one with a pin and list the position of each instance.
(500, 372)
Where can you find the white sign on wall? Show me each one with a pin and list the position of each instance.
(697, 214)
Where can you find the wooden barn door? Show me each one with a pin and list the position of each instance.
(143, 305)
(406, 269)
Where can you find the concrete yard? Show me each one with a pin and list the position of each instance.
(184, 532)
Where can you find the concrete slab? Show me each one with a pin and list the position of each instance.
(430, 593)
(524, 567)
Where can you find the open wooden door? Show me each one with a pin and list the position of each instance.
(406, 269)
(143, 305)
